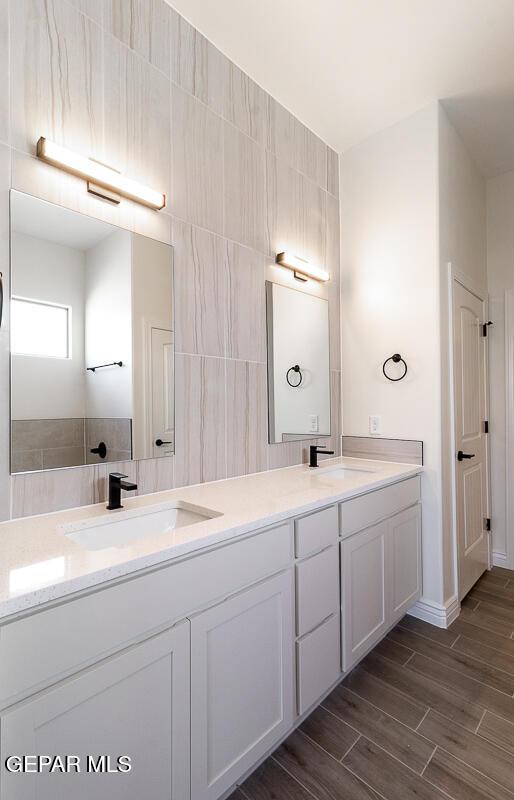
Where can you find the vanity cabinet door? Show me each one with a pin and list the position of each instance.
(364, 591)
(241, 683)
(405, 572)
(135, 704)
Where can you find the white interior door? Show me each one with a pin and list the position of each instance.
(471, 460)
(161, 388)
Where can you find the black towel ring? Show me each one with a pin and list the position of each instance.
(297, 369)
(396, 358)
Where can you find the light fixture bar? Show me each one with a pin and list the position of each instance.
(98, 173)
(302, 267)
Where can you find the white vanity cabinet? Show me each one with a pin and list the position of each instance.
(135, 704)
(318, 648)
(241, 683)
(198, 668)
(364, 601)
(380, 565)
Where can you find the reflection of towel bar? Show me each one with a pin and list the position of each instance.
(296, 369)
(101, 366)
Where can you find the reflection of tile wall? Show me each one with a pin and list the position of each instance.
(46, 443)
(54, 443)
(150, 95)
(115, 433)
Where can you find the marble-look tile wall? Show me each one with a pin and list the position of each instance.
(131, 83)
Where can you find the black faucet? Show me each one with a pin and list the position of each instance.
(116, 484)
(313, 454)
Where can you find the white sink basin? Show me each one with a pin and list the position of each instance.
(342, 472)
(120, 528)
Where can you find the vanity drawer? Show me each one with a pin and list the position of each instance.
(316, 531)
(318, 662)
(363, 511)
(46, 646)
(317, 589)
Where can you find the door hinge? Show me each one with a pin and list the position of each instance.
(486, 426)
(488, 524)
(485, 327)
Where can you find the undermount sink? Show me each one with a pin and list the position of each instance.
(342, 471)
(125, 527)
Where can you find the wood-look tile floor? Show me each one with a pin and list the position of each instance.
(428, 714)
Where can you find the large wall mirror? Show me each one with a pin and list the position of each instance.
(298, 364)
(92, 356)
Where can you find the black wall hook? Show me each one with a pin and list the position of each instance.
(396, 359)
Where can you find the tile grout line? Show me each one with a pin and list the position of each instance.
(376, 708)
(359, 737)
(403, 695)
(417, 774)
(320, 746)
(480, 720)
(455, 642)
(364, 781)
(483, 660)
(455, 669)
(428, 762)
(457, 672)
(487, 628)
(291, 775)
(474, 769)
(425, 715)
(409, 659)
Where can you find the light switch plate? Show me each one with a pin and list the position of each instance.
(375, 425)
(314, 423)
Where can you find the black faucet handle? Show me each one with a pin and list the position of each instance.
(117, 476)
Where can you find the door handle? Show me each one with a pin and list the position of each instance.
(461, 456)
(159, 443)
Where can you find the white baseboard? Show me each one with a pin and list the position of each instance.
(436, 614)
(499, 559)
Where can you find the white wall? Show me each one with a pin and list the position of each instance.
(412, 201)
(500, 272)
(462, 242)
(390, 302)
(49, 388)
(109, 326)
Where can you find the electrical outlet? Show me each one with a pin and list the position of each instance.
(375, 425)
(314, 423)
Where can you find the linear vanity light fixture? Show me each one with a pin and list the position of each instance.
(301, 268)
(99, 175)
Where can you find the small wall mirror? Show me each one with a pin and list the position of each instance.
(298, 365)
(92, 355)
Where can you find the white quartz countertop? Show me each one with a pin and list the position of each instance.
(39, 563)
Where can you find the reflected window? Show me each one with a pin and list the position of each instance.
(40, 329)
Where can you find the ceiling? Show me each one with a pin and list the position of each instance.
(348, 68)
(34, 217)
